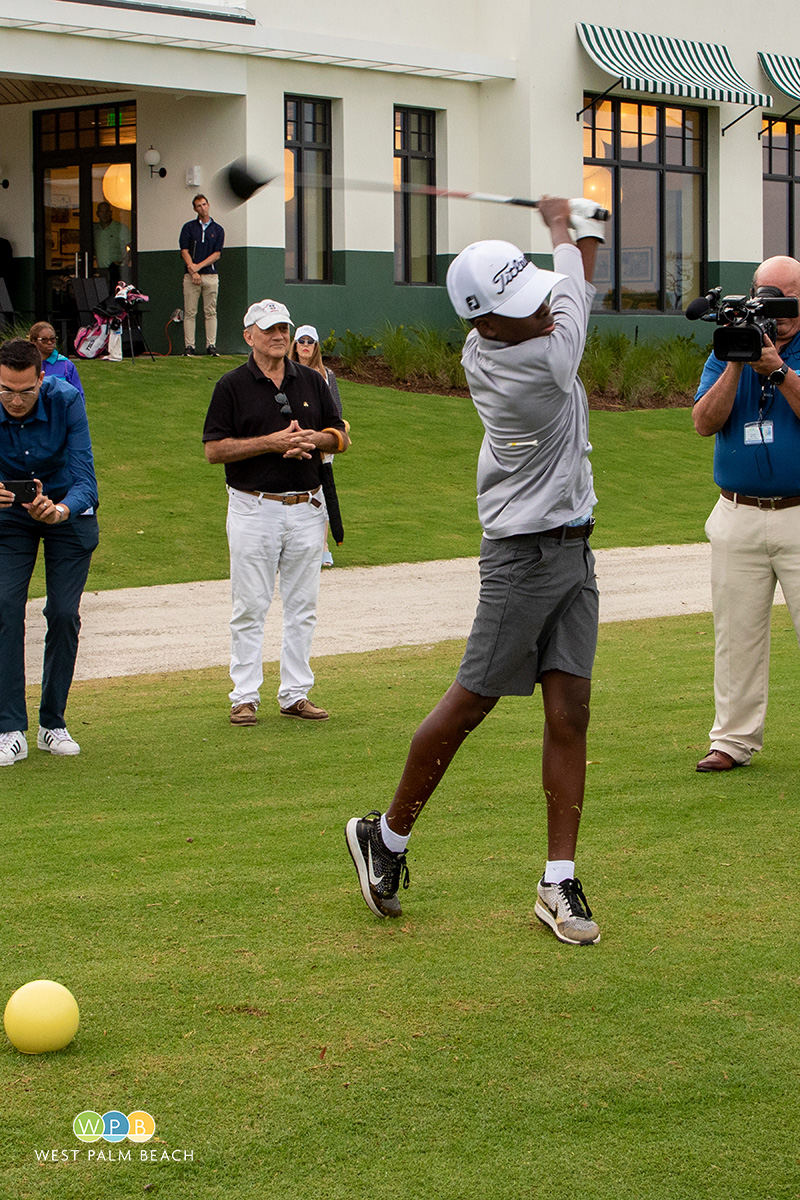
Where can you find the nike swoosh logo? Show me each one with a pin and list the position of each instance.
(373, 878)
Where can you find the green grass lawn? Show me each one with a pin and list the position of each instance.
(407, 486)
(189, 882)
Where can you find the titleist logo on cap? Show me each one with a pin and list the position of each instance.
(510, 271)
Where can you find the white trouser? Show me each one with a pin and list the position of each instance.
(208, 287)
(266, 537)
(752, 549)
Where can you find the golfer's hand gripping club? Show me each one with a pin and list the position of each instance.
(586, 219)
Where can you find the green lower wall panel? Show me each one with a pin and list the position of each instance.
(366, 299)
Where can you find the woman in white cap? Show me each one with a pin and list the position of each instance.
(306, 350)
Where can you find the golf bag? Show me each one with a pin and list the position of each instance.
(104, 335)
(91, 340)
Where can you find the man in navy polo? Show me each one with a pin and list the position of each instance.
(201, 244)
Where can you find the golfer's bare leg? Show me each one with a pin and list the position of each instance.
(433, 747)
(566, 719)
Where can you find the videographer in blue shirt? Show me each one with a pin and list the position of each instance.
(753, 409)
(45, 452)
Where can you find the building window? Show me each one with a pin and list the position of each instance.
(414, 216)
(85, 128)
(647, 164)
(780, 144)
(307, 166)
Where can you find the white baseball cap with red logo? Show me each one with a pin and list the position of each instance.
(496, 277)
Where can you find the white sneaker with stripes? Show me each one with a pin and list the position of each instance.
(57, 741)
(13, 747)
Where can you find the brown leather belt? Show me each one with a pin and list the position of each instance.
(300, 498)
(762, 501)
(567, 532)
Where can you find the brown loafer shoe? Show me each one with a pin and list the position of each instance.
(306, 711)
(717, 760)
(243, 714)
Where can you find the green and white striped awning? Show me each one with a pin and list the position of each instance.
(646, 62)
(784, 72)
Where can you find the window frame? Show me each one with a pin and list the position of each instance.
(297, 146)
(617, 162)
(403, 153)
(790, 180)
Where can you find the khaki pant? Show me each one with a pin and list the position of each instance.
(752, 550)
(209, 286)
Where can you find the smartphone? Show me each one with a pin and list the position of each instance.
(24, 490)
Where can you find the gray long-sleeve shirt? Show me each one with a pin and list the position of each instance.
(530, 394)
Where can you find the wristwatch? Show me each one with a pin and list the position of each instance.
(777, 377)
(61, 510)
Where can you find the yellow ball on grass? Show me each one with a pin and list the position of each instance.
(41, 1016)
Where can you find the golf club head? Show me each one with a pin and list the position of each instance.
(241, 179)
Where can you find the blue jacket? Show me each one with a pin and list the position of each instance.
(59, 367)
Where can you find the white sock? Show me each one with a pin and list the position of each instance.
(393, 841)
(558, 870)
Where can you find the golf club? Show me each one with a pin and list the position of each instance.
(243, 183)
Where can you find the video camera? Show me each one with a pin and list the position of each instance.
(743, 321)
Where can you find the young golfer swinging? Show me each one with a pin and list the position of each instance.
(537, 614)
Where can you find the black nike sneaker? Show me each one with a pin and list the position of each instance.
(380, 872)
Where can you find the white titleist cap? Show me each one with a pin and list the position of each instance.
(496, 277)
(306, 331)
(267, 313)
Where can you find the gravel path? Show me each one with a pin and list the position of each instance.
(180, 627)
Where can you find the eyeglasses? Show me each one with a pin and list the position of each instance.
(286, 407)
(26, 394)
(304, 341)
(47, 339)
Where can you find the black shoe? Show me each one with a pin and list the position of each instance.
(212, 350)
(379, 871)
(189, 352)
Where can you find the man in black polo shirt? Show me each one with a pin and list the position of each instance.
(269, 422)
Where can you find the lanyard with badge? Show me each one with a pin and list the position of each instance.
(762, 432)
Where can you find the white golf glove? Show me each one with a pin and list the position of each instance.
(581, 221)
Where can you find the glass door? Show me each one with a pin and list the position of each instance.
(61, 235)
(85, 181)
(112, 212)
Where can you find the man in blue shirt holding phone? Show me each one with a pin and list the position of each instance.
(44, 442)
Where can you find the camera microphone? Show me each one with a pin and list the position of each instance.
(697, 308)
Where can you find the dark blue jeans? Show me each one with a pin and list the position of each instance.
(68, 552)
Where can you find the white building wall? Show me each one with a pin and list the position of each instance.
(215, 90)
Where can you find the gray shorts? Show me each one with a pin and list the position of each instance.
(537, 612)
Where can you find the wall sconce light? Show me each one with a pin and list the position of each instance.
(152, 158)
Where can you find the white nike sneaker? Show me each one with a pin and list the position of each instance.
(57, 741)
(380, 872)
(13, 748)
(564, 907)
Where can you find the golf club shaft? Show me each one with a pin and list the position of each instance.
(415, 189)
